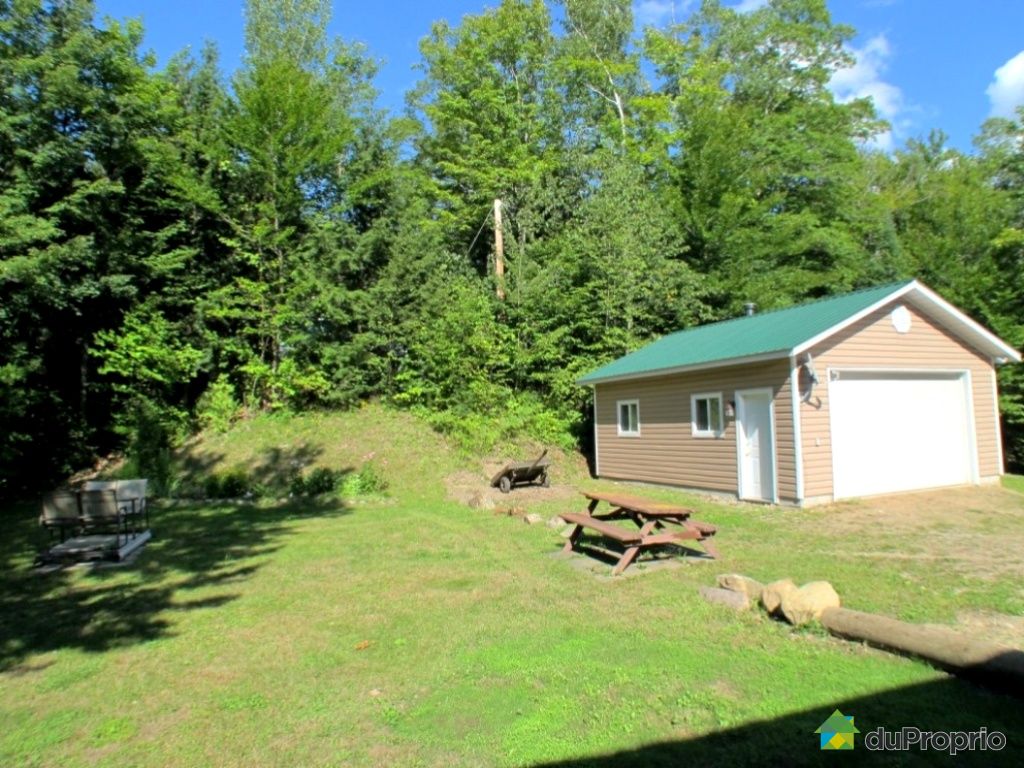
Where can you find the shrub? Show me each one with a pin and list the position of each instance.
(504, 422)
(320, 481)
(148, 451)
(231, 484)
(217, 408)
(368, 480)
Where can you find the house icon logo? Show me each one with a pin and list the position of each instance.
(837, 732)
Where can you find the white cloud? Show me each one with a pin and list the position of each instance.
(1006, 92)
(655, 12)
(864, 80)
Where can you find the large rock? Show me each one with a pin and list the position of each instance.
(735, 583)
(532, 519)
(772, 594)
(806, 604)
(738, 601)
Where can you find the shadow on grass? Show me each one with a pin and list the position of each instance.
(195, 545)
(609, 552)
(273, 470)
(949, 705)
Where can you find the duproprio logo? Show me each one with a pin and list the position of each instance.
(837, 732)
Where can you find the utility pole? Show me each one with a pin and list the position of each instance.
(499, 252)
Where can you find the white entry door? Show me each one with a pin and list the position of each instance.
(756, 445)
(899, 431)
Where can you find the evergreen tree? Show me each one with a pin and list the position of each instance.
(297, 198)
(86, 230)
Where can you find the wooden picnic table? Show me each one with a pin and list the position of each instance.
(658, 524)
(648, 507)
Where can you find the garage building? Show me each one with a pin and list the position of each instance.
(878, 391)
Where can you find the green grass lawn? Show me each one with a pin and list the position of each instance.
(1014, 483)
(411, 630)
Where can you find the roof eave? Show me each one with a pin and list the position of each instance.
(996, 347)
(973, 332)
(780, 354)
(855, 317)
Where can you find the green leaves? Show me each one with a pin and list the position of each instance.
(145, 351)
(770, 186)
(287, 241)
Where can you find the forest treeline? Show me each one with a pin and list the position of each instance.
(179, 245)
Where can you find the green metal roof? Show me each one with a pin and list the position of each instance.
(777, 331)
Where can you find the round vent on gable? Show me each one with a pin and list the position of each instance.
(901, 319)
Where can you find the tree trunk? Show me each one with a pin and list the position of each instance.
(998, 665)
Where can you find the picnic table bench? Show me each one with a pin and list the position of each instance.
(657, 524)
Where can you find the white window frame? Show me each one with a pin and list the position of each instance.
(618, 417)
(721, 414)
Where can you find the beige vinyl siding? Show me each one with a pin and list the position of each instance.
(666, 450)
(872, 342)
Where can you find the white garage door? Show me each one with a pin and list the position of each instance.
(899, 432)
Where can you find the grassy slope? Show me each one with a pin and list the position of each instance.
(414, 631)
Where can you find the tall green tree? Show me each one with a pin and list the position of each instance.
(769, 182)
(87, 228)
(294, 133)
(485, 101)
(600, 71)
(1002, 144)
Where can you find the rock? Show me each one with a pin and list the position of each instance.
(556, 522)
(480, 500)
(532, 519)
(771, 595)
(736, 583)
(738, 601)
(807, 603)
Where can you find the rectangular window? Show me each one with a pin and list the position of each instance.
(629, 417)
(706, 413)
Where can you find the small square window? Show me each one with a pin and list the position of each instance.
(629, 417)
(706, 414)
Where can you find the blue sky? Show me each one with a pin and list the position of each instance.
(946, 64)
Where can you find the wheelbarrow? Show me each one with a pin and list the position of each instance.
(523, 473)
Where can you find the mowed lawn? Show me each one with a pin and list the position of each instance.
(411, 630)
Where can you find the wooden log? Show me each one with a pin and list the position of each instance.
(958, 652)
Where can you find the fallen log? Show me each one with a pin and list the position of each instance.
(997, 665)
